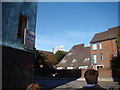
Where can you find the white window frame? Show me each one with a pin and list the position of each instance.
(74, 61)
(69, 54)
(94, 59)
(99, 66)
(70, 67)
(100, 46)
(101, 55)
(63, 61)
(86, 59)
(83, 67)
(59, 68)
(94, 46)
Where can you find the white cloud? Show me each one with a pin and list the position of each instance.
(78, 34)
(67, 38)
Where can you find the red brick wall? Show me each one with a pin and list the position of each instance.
(103, 73)
(109, 47)
(83, 71)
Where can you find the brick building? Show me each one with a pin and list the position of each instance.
(103, 47)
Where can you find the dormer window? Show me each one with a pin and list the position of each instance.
(74, 60)
(69, 54)
(63, 61)
(86, 59)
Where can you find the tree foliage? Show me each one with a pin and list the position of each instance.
(50, 59)
(59, 55)
(43, 64)
(115, 62)
(47, 60)
(118, 41)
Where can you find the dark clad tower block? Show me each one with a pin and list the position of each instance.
(18, 43)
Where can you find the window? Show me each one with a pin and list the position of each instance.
(100, 45)
(74, 60)
(101, 56)
(70, 67)
(22, 25)
(99, 66)
(94, 59)
(94, 46)
(59, 68)
(86, 59)
(63, 61)
(69, 54)
(83, 67)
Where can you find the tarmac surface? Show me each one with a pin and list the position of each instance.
(109, 85)
(71, 83)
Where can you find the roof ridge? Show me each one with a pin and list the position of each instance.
(106, 35)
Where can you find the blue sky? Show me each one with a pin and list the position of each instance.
(72, 23)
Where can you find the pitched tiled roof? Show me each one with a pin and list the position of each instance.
(78, 56)
(45, 52)
(107, 35)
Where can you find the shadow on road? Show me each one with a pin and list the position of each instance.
(51, 82)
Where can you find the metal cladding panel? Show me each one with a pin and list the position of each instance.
(10, 21)
(17, 68)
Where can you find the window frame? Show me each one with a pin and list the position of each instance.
(101, 55)
(59, 68)
(82, 67)
(94, 60)
(93, 48)
(70, 67)
(100, 66)
(74, 61)
(63, 61)
(100, 46)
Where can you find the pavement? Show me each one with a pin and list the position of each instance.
(100, 79)
(73, 84)
(51, 82)
(108, 83)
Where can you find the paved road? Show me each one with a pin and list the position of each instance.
(78, 84)
(51, 82)
(70, 83)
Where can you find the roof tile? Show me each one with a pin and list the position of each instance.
(110, 34)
